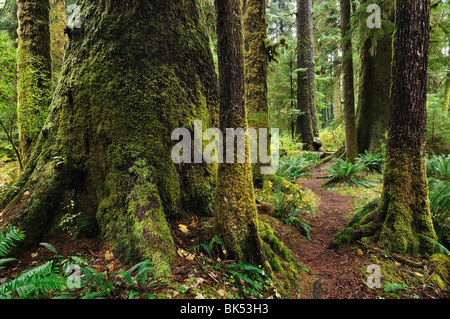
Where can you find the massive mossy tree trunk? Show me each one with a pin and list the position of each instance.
(256, 70)
(403, 214)
(134, 72)
(351, 147)
(306, 125)
(34, 71)
(235, 213)
(374, 87)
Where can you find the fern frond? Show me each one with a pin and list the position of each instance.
(7, 240)
(39, 281)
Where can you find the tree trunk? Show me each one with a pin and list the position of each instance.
(256, 70)
(351, 147)
(34, 72)
(59, 40)
(134, 72)
(235, 213)
(374, 90)
(306, 125)
(446, 95)
(404, 211)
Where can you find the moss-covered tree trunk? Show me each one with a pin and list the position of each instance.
(58, 40)
(446, 98)
(235, 213)
(374, 87)
(403, 214)
(306, 125)
(134, 72)
(351, 147)
(256, 70)
(34, 71)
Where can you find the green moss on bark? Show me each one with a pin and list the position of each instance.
(106, 144)
(34, 72)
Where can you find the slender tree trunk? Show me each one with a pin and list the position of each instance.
(403, 214)
(307, 125)
(59, 40)
(374, 89)
(446, 95)
(131, 76)
(256, 70)
(35, 72)
(235, 213)
(351, 147)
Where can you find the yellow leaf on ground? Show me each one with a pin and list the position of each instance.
(359, 252)
(109, 255)
(183, 228)
(190, 257)
(182, 252)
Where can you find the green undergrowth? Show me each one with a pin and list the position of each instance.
(401, 278)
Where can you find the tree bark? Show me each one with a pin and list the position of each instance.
(306, 125)
(59, 40)
(446, 98)
(34, 72)
(256, 70)
(235, 212)
(404, 211)
(351, 147)
(374, 89)
(134, 72)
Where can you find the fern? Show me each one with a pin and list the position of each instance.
(441, 248)
(439, 196)
(438, 166)
(37, 282)
(7, 240)
(343, 172)
(393, 286)
(371, 161)
(304, 227)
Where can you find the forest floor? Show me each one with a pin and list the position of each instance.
(201, 270)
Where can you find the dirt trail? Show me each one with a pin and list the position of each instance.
(336, 271)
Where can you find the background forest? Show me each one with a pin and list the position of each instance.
(343, 153)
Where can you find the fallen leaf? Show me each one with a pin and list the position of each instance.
(109, 255)
(182, 252)
(183, 228)
(222, 293)
(199, 296)
(359, 252)
(190, 257)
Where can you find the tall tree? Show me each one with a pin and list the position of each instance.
(306, 125)
(131, 76)
(351, 147)
(446, 98)
(403, 214)
(59, 40)
(34, 71)
(256, 69)
(235, 213)
(375, 83)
